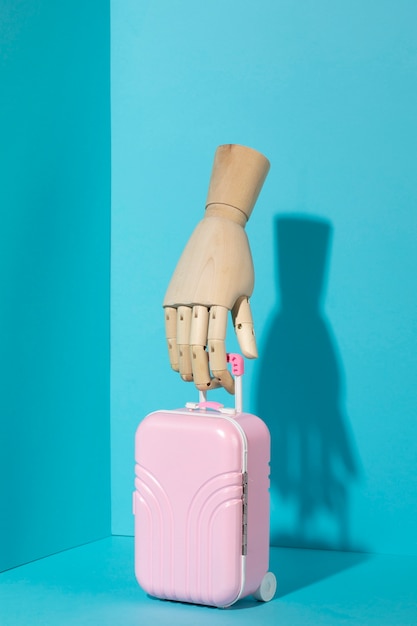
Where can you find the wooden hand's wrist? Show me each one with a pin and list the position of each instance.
(226, 211)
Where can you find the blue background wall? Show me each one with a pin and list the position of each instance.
(54, 276)
(328, 93)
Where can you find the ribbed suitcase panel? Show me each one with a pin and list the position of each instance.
(194, 555)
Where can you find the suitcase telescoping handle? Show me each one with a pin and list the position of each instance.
(238, 367)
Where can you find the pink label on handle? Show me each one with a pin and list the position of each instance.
(237, 363)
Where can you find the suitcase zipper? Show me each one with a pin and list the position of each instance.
(244, 514)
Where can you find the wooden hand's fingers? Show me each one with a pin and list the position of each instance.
(183, 342)
(201, 374)
(199, 357)
(188, 330)
(198, 340)
(243, 323)
(217, 349)
(171, 335)
(224, 379)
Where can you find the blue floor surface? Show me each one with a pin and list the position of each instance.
(95, 585)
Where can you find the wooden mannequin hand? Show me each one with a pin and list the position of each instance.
(215, 274)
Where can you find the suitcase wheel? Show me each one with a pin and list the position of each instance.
(267, 588)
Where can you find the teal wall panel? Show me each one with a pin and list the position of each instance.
(54, 277)
(328, 93)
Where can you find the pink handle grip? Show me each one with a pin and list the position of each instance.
(210, 405)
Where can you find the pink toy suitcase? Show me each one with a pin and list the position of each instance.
(201, 503)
